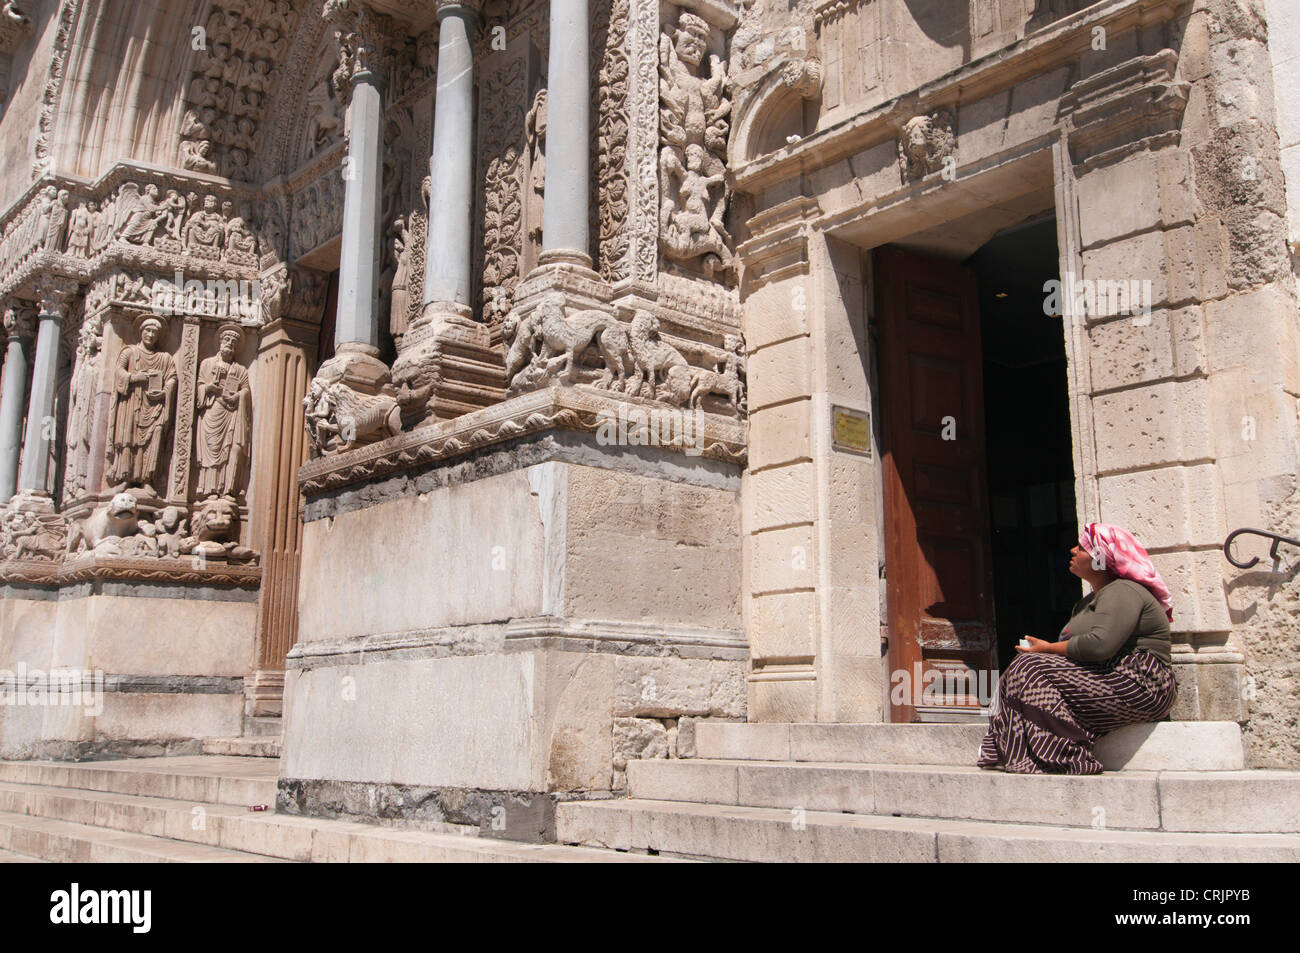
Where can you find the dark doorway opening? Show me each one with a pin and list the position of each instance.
(1027, 430)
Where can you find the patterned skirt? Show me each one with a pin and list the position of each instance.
(1050, 709)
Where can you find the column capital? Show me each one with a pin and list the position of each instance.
(472, 7)
(364, 38)
(19, 321)
(52, 294)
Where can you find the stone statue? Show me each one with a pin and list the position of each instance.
(225, 409)
(216, 532)
(81, 394)
(925, 144)
(29, 535)
(79, 225)
(196, 155)
(58, 223)
(693, 146)
(170, 532)
(175, 206)
(110, 531)
(399, 296)
(339, 418)
(145, 388)
(101, 230)
(536, 128)
(241, 242)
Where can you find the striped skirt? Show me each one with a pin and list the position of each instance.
(1050, 709)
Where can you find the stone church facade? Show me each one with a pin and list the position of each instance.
(483, 394)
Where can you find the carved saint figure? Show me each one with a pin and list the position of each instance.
(205, 231)
(693, 135)
(241, 242)
(58, 221)
(224, 430)
(145, 387)
(79, 230)
(399, 297)
(536, 127)
(81, 393)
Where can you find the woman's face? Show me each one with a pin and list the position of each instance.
(1081, 562)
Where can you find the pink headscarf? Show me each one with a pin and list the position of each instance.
(1123, 555)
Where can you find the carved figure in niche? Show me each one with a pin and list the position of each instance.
(338, 418)
(241, 241)
(729, 383)
(145, 388)
(196, 155)
(205, 231)
(79, 230)
(536, 126)
(58, 223)
(926, 142)
(101, 233)
(399, 296)
(216, 532)
(225, 409)
(175, 206)
(693, 112)
(138, 214)
(107, 530)
(41, 222)
(170, 532)
(81, 394)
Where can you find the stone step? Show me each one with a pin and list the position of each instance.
(1222, 801)
(9, 857)
(280, 836)
(245, 746)
(759, 834)
(206, 779)
(50, 839)
(1162, 746)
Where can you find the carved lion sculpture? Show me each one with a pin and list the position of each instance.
(925, 143)
(661, 373)
(522, 338)
(564, 338)
(339, 418)
(216, 531)
(106, 531)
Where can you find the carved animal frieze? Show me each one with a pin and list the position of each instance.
(27, 535)
(339, 418)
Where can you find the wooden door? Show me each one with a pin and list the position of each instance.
(938, 564)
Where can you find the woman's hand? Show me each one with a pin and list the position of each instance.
(1039, 645)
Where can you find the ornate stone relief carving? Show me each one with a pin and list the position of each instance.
(364, 39)
(546, 347)
(925, 143)
(502, 142)
(339, 418)
(694, 111)
(53, 86)
(227, 94)
(31, 536)
(612, 98)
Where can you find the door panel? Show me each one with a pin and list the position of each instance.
(939, 576)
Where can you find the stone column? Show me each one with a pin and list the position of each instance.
(565, 206)
(18, 325)
(53, 294)
(447, 278)
(362, 36)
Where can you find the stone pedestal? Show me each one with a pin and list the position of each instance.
(591, 600)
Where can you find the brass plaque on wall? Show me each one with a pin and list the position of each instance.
(851, 430)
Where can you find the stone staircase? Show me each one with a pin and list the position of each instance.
(197, 809)
(889, 793)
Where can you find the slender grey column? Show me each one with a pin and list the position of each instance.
(35, 472)
(568, 135)
(362, 203)
(11, 401)
(451, 166)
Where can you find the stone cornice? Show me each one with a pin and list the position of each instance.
(1044, 50)
(557, 408)
(182, 571)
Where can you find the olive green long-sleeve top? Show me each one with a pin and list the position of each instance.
(1122, 615)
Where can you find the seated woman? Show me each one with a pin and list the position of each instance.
(1110, 668)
